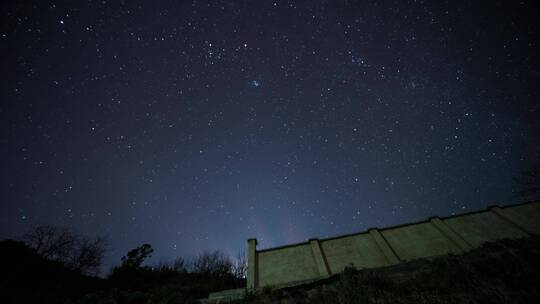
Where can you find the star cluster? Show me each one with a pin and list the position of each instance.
(194, 125)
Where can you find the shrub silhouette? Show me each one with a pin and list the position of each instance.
(136, 257)
(179, 280)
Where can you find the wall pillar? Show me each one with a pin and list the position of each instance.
(450, 234)
(320, 259)
(252, 271)
(510, 219)
(388, 252)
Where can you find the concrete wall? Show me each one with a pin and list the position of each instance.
(274, 263)
(359, 250)
(418, 241)
(317, 259)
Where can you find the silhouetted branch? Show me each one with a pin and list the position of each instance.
(62, 245)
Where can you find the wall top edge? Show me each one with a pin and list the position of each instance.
(398, 226)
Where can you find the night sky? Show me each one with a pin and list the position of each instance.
(195, 125)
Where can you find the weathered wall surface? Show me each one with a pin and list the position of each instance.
(418, 241)
(274, 263)
(479, 228)
(320, 258)
(360, 250)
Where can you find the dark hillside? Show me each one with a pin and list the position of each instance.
(26, 277)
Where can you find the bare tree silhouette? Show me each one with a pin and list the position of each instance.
(74, 251)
